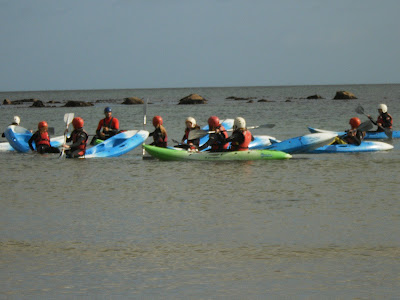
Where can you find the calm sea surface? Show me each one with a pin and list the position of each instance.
(313, 227)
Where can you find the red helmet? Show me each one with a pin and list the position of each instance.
(78, 122)
(157, 120)
(42, 124)
(355, 122)
(213, 122)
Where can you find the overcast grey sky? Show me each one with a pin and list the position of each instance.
(105, 44)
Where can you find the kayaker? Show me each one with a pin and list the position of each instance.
(79, 138)
(217, 139)
(160, 137)
(109, 124)
(16, 121)
(384, 119)
(241, 137)
(42, 140)
(353, 135)
(189, 144)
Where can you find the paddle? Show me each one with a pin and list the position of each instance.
(67, 119)
(199, 133)
(388, 132)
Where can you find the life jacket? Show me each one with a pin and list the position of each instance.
(386, 120)
(109, 125)
(42, 139)
(245, 144)
(219, 145)
(159, 139)
(355, 140)
(75, 135)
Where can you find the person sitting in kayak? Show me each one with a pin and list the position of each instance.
(79, 138)
(185, 142)
(217, 139)
(353, 135)
(241, 137)
(384, 119)
(16, 121)
(159, 135)
(109, 124)
(42, 140)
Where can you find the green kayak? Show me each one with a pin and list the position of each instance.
(172, 154)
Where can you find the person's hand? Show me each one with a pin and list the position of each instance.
(102, 136)
(65, 146)
(106, 129)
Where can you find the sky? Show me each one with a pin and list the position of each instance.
(113, 44)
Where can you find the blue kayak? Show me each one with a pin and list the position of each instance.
(118, 144)
(369, 135)
(18, 138)
(365, 146)
(262, 142)
(304, 143)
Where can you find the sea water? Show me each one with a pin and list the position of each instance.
(312, 227)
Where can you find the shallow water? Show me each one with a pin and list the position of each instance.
(315, 226)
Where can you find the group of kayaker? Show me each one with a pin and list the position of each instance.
(218, 138)
(356, 136)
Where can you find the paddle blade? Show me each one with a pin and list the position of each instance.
(68, 118)
(360, 110)
(365, 126)
(265, 126)
(196, 134)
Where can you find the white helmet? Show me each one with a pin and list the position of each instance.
(17, 120)
(239, 123)
(191, 120)
(383, 107)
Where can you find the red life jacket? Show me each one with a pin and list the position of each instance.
(244, 146)
(75, 135)
(43, 139)
(217, 146)
(386, 120)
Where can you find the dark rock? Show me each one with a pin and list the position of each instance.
(193, 99)
(315, 97)
(72, 103)
(250, 101)
(133, 100)
(343, 95)
(37, 103)
(239, 98)
(265, 100)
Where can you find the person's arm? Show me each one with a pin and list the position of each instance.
(115, 126)
(31, 141)
(211, 140)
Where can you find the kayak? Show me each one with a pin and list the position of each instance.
(304, 143)
(369, 135)
(170, 154)
(118, 144)
(5, 146)
(365, 146)
(18, 138)
(262, 141)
